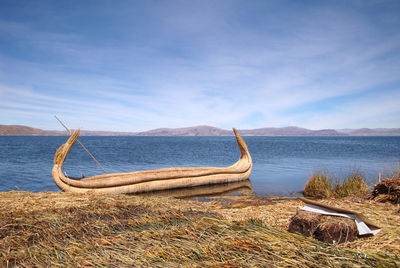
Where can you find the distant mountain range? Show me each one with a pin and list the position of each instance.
(16, 130)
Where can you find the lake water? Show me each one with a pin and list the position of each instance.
(281, 165)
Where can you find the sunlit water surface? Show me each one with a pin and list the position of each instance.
(281, 165)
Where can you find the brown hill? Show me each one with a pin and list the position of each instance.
(290, 131)
(17, 130)
(187, 131)
(374, 132)
(272, 131)
(106, 133)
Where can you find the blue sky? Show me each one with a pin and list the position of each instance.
(138, 65)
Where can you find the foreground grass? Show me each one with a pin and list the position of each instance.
(60, 229)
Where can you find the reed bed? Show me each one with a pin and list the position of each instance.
(323, 185)
(64, 229)
(318, 186)
(353, 185)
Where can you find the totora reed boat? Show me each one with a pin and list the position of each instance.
(150, 180)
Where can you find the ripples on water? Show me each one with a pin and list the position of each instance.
(281, 165)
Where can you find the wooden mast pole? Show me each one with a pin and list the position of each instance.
(83, 146)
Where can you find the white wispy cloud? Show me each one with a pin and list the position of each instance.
(223, 64)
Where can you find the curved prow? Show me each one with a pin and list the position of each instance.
(64, 149)
(241, 143)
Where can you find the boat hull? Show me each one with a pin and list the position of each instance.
(150, 180)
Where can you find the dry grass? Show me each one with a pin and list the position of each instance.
(387, 190)
(352, 185)
(322, 185)
(396, 173)
(318, 186)
(278, 212)
(62, 229)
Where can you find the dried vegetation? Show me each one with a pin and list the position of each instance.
(64, 229)
(322, 185)
(324, 228)
(387, 190)
(318, 186)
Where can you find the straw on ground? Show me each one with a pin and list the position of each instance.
(62, 229)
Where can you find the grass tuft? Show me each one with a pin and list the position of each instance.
(352, 185)
(318, 186)
(322, 185)
(396, 173)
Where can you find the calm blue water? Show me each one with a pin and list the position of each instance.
(281, 165)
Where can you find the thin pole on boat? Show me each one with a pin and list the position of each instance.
(83, 146)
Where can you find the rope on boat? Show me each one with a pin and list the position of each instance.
(83, 146)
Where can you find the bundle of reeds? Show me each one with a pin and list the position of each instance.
(387, 190)
(329, 229)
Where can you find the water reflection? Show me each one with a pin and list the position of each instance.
(242, 188)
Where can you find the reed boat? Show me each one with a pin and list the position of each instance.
(150, 180)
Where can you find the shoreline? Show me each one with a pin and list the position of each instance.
(70, 229)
